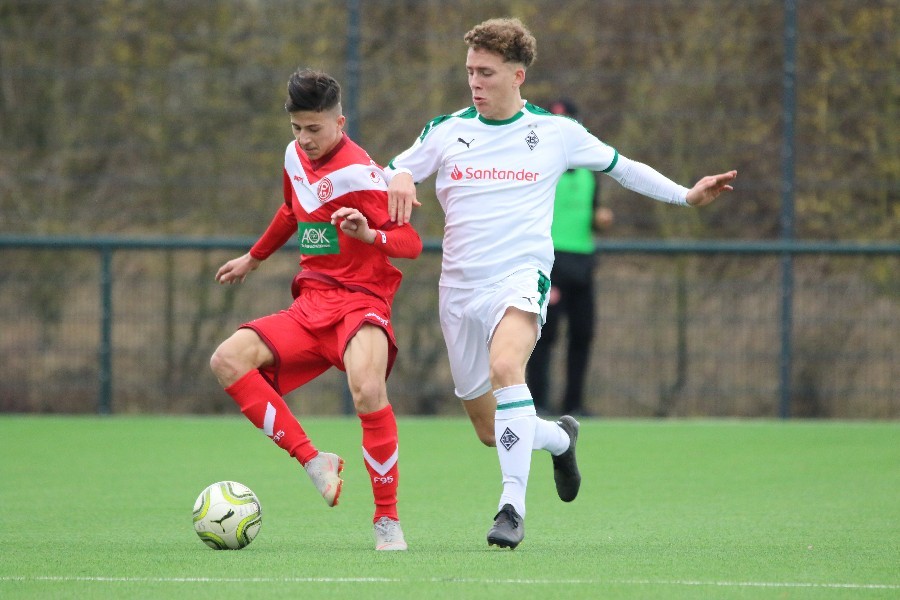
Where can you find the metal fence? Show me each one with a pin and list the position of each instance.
(684, 328)
(165, 118)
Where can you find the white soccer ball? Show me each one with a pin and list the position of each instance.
(227, 515)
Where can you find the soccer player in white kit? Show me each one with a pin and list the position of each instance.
(497, 165)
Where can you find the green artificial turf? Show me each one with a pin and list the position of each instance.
(101, 508)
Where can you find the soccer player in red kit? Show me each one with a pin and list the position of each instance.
(335, 202)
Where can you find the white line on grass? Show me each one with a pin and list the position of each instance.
(662, 582)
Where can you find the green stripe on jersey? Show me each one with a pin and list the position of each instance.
(534, 108)
(537, 110)
(512, 119)
(613, 163)
(469, 113)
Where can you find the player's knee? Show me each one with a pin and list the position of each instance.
(217, 361)
(484, 429)
(506, 372)
(487, 438)
(222, 367)
(368, 394)
(230, 362)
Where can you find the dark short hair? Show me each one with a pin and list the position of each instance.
(507, 37)
(311, 90)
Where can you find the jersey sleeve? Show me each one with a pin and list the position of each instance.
(398, 242)
(583, 149)
(646, 180)
(279, 231)
(586, 150)
(421, 159)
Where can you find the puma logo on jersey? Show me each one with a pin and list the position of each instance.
(462, 141)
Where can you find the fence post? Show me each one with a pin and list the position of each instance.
(104, 400)
(351, 76)
(787, 204)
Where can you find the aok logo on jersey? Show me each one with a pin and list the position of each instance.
(317, 238)
(493, 174)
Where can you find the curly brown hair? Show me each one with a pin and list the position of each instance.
(507, 37)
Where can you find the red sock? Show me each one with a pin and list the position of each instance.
(267, 410)
(380, 451)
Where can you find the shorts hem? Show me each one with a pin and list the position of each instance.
(473, 395)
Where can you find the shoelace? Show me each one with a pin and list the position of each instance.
(388, 531)
(510, 516)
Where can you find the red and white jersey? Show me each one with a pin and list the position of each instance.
(313, 190)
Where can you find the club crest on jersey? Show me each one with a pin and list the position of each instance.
(325, 189)
(508, 439)
(374, 176)
(532, 140)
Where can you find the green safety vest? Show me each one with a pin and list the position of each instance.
(573, 212)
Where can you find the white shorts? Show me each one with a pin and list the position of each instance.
(469, 317)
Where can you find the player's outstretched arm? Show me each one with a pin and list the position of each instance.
(401, 198)
(236, 269)
(708, 189)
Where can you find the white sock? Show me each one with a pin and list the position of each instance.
(550, 436)
(514, 431)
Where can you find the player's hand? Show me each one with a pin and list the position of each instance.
(603, 218)
(353, 223)
(708, 189)
(236, 269)
(401, 198)
(555, 296)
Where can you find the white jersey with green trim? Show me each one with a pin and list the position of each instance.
(496, 182)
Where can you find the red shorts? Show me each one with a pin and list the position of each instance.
(311, 336)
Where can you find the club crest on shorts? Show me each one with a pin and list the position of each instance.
(508, 439)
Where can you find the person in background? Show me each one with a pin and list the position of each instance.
(577, 215)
